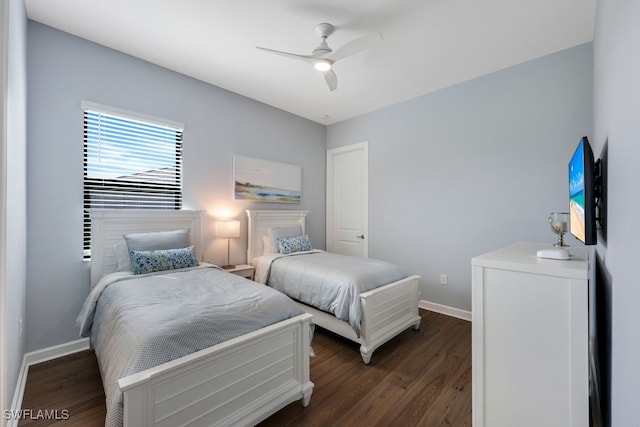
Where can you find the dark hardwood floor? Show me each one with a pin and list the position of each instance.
(419, 378)
(69, 388)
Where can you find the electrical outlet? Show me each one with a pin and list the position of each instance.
(443, 279)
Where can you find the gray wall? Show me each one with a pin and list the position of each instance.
(473, 167)
(617, 120)
(13, 247)
(63, 70)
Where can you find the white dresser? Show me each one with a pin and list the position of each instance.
(530, 338)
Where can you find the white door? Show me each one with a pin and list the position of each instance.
(347, 200)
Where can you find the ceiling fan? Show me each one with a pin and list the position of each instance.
(323, 57)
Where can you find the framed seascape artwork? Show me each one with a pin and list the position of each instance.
(266, 181)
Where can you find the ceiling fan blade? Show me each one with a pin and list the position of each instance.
(355, 46)
(306, 58)
(331, 79)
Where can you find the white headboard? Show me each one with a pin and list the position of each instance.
(261, 220)
(108, 226)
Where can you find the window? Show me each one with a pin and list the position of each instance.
(130, 162)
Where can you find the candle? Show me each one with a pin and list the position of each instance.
(560, 225)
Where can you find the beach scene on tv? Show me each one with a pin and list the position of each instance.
(266, 181)
(576, 194)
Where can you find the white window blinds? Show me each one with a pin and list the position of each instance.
(129, 164)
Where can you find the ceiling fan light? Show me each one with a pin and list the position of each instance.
(322, 64)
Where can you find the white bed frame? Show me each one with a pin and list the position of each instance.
(386, 311)
(238, 382)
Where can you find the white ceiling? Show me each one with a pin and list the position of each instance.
(428, 44)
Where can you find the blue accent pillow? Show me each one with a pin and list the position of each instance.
(286, 232)
(294, 244)
(163, 259)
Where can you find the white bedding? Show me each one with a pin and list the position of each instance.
(326, 281)
(137, 322)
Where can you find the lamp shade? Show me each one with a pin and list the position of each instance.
(227, 228)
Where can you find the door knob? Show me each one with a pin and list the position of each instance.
(360, 236)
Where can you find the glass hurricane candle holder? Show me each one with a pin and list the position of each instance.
(559, 222)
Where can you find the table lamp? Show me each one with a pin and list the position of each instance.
(227, 228)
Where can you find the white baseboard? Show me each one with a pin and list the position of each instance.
(445, 309)
(56, 351)
(39, 356)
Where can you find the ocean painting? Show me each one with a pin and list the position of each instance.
(266, 181)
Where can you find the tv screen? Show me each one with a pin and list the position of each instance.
(582, 202)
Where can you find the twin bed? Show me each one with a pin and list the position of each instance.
(239, 381)
(386, 302)
(223, 350)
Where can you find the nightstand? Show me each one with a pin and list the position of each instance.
(243, 270)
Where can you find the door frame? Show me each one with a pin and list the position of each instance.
(364, 148)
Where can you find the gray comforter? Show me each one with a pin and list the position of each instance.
(327, 281)
(137, 322)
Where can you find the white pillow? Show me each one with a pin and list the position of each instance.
(123, 259)
(276, 233)
(175, 239)
(267, 247)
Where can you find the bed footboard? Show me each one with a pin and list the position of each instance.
(386, 312)
(238, 382)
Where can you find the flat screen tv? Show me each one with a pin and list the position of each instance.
(582, 193)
